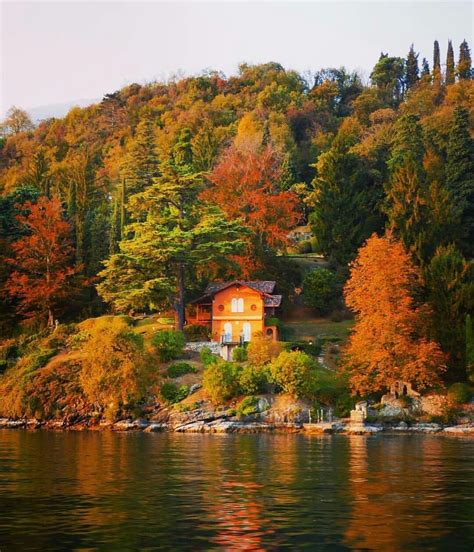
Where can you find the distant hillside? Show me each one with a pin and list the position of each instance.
(58, 110)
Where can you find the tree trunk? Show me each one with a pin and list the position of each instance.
(179, 305)
(50, 318)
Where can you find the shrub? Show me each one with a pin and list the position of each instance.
(180, 369)
(169, 344)
(247, 407)
(115, 368)
(3, 366)
(41, 358)
(294, 372)
(459, 393)
(239, 354)
(304, 247)
(261, 350)
(220, 381)
(252, 379)
(171, 393)
(197, 332)
(313, 348)
(320, 290)
(207, 356)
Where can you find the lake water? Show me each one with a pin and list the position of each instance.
(138, 491)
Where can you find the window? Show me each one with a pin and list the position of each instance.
(237, 305)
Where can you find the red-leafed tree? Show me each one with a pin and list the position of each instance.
(42, 261)
(244, 185)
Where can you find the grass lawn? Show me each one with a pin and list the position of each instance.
(314, 328)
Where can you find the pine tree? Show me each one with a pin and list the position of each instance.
(450, 77)
(425, 69)
(460, 176)
(407, 191)
(172, 234)
(346, 203)
(436, 62)
(141, 164)
(411, 69)
(38, 173)
(448, 279)
(464, 70)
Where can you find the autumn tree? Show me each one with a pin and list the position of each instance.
(42, 269)
(390, 337)
(16, 121)
(172, 234)
(244, 186)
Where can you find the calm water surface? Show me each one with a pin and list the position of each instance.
(137, 491)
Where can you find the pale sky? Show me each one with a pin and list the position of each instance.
(53, 52)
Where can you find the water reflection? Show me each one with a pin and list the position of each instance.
(234, 492)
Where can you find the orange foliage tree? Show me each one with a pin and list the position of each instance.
(389, 341)
(244, 184)
(42, 263)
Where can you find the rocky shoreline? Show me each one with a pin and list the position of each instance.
(224, 425)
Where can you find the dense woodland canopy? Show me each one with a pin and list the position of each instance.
(165, 186)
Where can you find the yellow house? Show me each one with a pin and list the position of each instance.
(235, 311)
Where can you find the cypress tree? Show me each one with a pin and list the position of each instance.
(411, 69)
(425, 69)
(460, 176)
(436, 61)
(464, 64)
(450, 64)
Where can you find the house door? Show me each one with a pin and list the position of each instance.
(227, 332)
(246, 329)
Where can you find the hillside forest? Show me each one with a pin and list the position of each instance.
(134, 204)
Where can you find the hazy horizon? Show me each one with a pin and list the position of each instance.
(56, 53)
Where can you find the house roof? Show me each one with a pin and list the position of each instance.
(272, 300)
(263, 286)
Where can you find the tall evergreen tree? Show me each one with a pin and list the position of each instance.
(141, 164)
(388, 77)
(172, 234)
(346, 203)
(425, 69)
(411, 69)
(407, 191)
(460, 176)
(464, 69)
(436, 61)
(450, 76)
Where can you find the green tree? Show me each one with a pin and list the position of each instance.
(141, 164)
(436, 62)
(412, 72)
(294, 372)
(407, 190)
(449, 279)
(346, 202)
(464, 70)
(460, 176)
(38, 173)
(320, 290)
(173, 232)
(450, 73)
(388, 77)
(425, 69)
